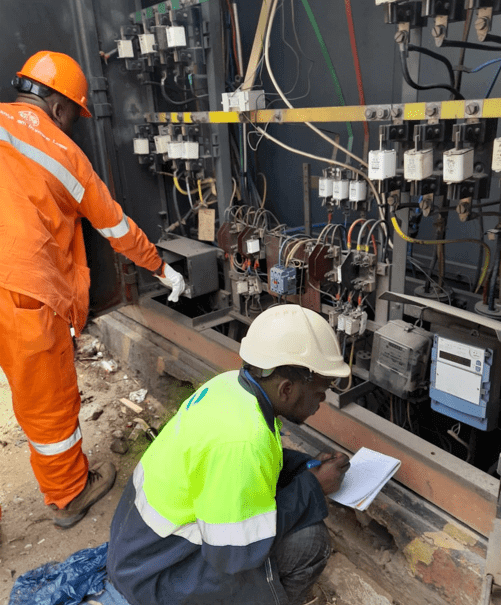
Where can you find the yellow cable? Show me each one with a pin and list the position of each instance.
(435, 242)
(199, 183)
(178, 187)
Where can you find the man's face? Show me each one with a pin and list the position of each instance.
(68, 116)
(306, 398)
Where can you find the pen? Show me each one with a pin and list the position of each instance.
(315, 463)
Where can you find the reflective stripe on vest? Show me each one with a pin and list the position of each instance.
(51, 449)
(242, 533)
(119, 230)
(160, 525)
(64, 176)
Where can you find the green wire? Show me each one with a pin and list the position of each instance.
(330, 65)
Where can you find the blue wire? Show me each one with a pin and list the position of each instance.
(493, 82)
(473, 71)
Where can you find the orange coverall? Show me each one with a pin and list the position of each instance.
(47, 185)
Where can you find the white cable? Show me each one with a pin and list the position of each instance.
(284, 98)
(321, 159)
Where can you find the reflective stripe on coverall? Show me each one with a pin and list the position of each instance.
(47, 185)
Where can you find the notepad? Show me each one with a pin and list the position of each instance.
(368, 473)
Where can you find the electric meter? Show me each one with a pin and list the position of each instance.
(400, 356)
(465, 379)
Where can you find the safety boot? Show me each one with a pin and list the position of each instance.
(99, 482)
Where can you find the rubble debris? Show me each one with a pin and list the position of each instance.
(110, 365)
(138, 396)
(119, 446)
(91, 411)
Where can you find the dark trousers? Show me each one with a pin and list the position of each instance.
(301, 557)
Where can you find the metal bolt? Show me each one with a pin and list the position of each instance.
(400, 37)
(472, 108)
(382, 113)
(479, 167)
(396, 112)
(431, 110)
(370, 113)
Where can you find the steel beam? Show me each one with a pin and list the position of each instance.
(456, 487)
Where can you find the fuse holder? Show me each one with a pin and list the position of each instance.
(358, 191)
(340, 189)
(325, 187)
(496, 155)
(162, 143)
(458, 165)
(176, 36)
(418, 164)
(141, 146)
(147, 43)
(125, 49)
(382, 164)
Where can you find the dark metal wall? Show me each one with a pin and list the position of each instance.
(82, 28)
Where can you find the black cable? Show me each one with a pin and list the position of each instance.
(493, 38)
(434, 55)
(412, 84)
(470, 45)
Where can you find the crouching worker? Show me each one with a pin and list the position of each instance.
(216, 511)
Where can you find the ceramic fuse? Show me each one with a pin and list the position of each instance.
(418, 164)
(382, 164)
(458, 165)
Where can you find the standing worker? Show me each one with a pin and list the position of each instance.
(47, 185)
(216, 512)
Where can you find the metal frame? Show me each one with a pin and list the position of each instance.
(470, 495)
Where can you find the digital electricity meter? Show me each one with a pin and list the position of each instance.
(463, 382)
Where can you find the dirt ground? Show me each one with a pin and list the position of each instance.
(27, 536)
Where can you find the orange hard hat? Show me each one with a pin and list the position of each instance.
(61, 73)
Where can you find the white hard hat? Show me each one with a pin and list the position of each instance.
(291, 335)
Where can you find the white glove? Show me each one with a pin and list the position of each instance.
(174, 280)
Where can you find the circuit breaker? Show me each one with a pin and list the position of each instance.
(283, 280)
(464, 380)
(400, 356)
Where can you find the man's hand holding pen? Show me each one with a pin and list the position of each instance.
(329, 469)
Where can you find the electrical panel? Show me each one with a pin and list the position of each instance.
(464, 383)
(400, 356)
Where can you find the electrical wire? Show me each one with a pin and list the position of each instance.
(415, 85)
(434, 55)
(491, 86)
(280, 92)
(350, 379)
(435, 242)
(470, 45)
(358, 71)
(234, 38)
(483, 66)
(427, 275)
(466, 32)
(319, 158)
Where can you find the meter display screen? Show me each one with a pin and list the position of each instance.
(455, 358)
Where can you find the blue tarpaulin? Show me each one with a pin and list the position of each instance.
(67, 583)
